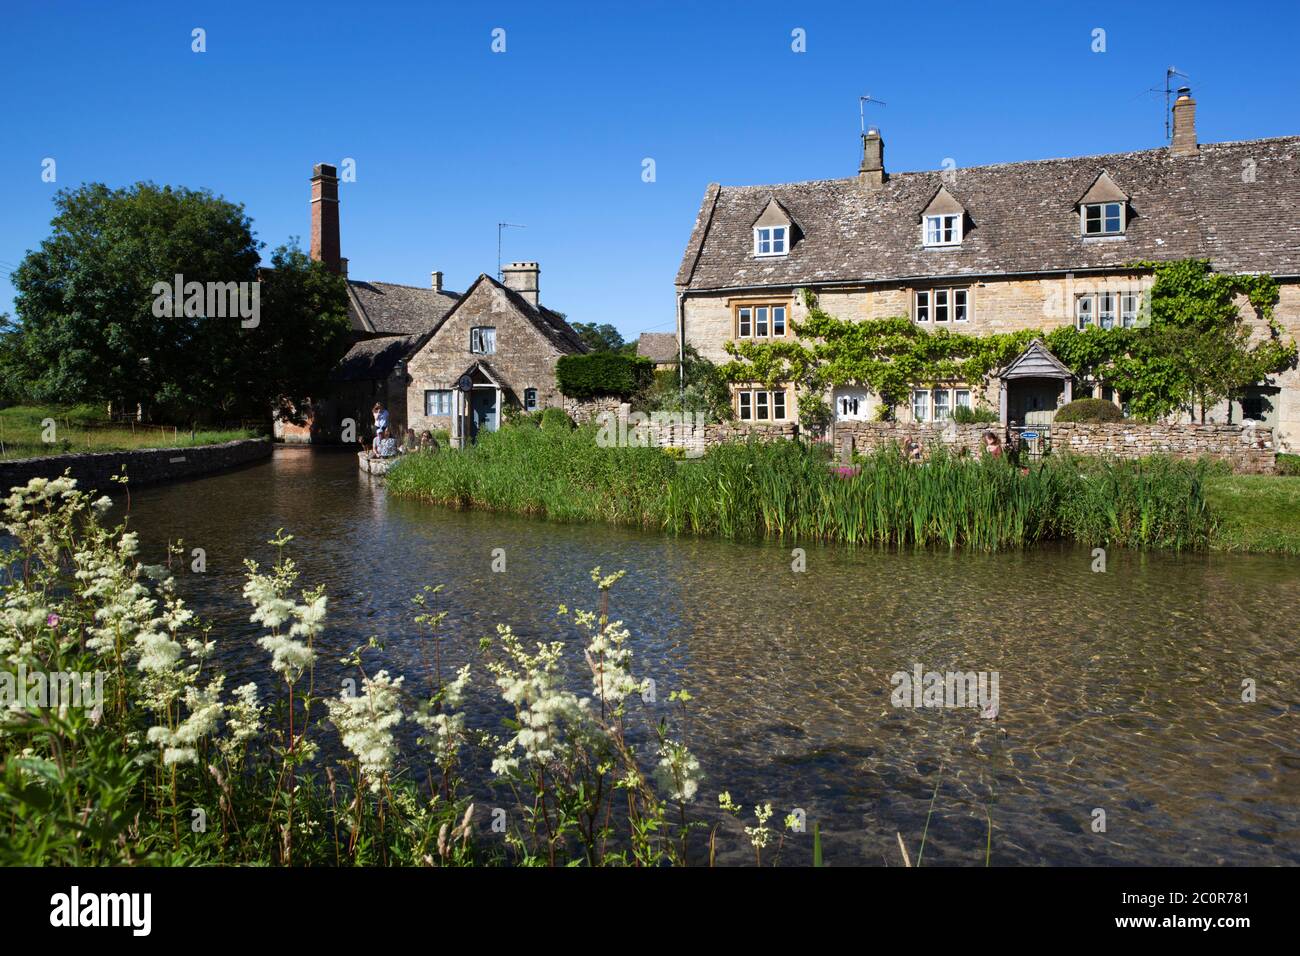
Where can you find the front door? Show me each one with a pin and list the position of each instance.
(482, 411)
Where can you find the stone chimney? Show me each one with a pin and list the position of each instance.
(1184, 124)
(522, 277)
(872, 170)
(435, 282)
(325, 216)
(343, 267)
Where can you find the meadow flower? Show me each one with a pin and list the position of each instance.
(365, 723)
(678, 771)
(289, 658)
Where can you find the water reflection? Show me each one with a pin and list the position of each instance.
(1119, 691)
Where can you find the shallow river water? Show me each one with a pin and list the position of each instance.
(1118, 691)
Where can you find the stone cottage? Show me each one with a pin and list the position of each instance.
(991, 249)
(395, 324)
(495, 349)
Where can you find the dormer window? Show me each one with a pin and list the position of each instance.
(1103, 218)
(943, 230)
(1103, 209)
(771, 240)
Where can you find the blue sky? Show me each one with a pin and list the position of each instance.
(450, 138)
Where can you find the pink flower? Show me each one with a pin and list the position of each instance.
(52, 620)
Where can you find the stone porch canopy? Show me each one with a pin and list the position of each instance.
(1034, 364)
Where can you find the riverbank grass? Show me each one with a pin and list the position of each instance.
(79, 429)
(785, 490)
(1258, 513)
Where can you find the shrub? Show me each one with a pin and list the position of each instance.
(971, 416)
(1089, 410)
(602, 373)
(1288, 465)
(556, 418)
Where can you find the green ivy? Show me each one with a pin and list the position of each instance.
(1195, 350)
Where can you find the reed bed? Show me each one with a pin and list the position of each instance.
(784, 490)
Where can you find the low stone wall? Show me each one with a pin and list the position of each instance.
(699, 437)
(866, 437)
(143, 467)
(591, 409)
(1248, 448)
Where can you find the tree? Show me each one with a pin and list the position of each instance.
(94, 325)
(601, 337)
(705, 392)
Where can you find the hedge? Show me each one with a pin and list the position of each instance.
(1089, 410)
(602, 373)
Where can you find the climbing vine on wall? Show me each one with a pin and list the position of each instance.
(1195, 349)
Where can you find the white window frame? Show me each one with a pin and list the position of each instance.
(771, 241)
(761, 405)
(954, 301)
(745, 322)
(481, 345)
(942, 411)
(1079, 302)
(1106, 310)
(941, 229)
(440, 397)
(530, 399)
(761, 320)
(920, 409)
(1130, 304)
(961, 398)
(1102, 217)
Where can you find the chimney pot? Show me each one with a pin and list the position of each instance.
(435, 281)
(872, 170)
(343, 267)
(523, 277)
(1184, 143)
(325, 216)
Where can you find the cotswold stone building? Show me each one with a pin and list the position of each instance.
(413, 348)
(989, 249)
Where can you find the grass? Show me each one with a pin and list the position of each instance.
(785, 490)
(81, 428)
(1255, 512)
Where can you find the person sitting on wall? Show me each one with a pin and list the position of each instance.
(381, 418)
(992, 444)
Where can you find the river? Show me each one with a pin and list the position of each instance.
(1118, 691)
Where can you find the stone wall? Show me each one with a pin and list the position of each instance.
(588, 410)
(1248, 448)
(866, 437)
(143, 467)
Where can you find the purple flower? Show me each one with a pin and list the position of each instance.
(52, 620)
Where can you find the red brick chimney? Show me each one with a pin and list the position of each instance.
(1184, 123)
(325, 216)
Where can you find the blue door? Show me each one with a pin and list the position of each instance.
(482, 411)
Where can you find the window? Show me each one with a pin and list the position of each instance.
(1128, 309)
(437, 401)
(530, 399)
(770, 240)
(943, 230)
(1083, 312)
(961, 398)
(764, 321)
(483, 340)
(1106, 310)
(1103, 218)
(942, 405)
(942, 305)
(921, 405)
(848, 405)
(757, 405)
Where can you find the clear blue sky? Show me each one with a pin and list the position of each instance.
(450, 138)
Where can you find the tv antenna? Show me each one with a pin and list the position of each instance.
(1170, 73)
(862, 109)
(500, 226)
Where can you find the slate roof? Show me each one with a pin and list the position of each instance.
(1232, 203)
(658, 347)
(373, 358)
(386, 308)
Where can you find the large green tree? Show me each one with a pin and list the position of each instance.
(91, 328)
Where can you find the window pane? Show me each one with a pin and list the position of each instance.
(530, 399)
(941, 305)
(1128, 310)
(745, 328)
(923, 307)
(778, 405)
(1084, 311)
(942, 408)
(778, 320)
(760, 402)
(489, 341)
(1106, 310)
(778, 239)
(760, 321)
(931, 230)
(745, 413)
(959, 305)
(1112, 217)
(920, 405)
(963, 398)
